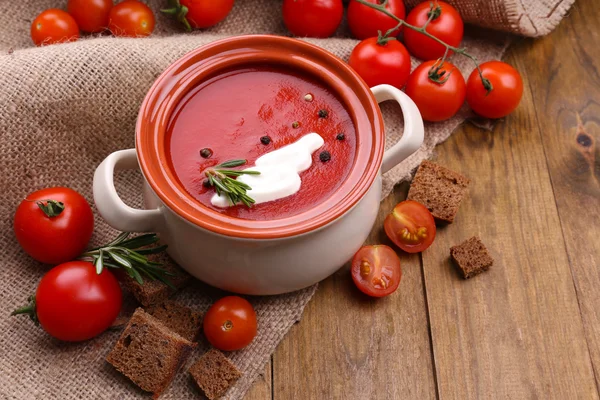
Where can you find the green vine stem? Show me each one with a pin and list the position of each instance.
(29, 309)
(433, 14)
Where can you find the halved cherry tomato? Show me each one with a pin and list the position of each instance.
(54, 26)
(436, 101)
(365, 21)
(91, 15)
(54, 225)
(378, 62)
(505, 95)
(230, 323)
(131, 18)
(410, 226)
(446, 25)
(312, 18)
(376, 270)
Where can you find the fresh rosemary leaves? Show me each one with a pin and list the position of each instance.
(222, 178)
(130, 255)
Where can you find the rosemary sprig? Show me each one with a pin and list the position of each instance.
(222, 179)
(130, 255)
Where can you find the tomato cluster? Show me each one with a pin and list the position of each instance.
(430, 31)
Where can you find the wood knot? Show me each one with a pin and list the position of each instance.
(584, 139)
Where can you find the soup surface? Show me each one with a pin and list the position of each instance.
(229, 115)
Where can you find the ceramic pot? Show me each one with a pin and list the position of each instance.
(258, 257)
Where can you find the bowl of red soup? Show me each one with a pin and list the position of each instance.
(262, 159)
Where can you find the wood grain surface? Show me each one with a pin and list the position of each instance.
(527, 329)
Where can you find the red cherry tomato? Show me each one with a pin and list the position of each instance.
(312, 18)
(131, 18)
(376, 270)
(447, 26)
(365, 21)
(91, 15)
(505, 95)
(73, 303)
(206, 13)
(54, 26)
(54, 236)
(381, 63)
(410, 226)
(230, 323)
(436, 101)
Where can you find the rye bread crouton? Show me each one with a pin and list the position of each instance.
(439, 189)
(471, 257)
(179, 318)
(149, 353)
(214, 374)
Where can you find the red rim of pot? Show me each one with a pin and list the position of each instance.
(242, 51)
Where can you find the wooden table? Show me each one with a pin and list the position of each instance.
(527, 329)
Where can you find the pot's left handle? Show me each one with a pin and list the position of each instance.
(110, 206)
(412, 138)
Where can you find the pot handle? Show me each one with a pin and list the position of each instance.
(412, 138)
(110, 206)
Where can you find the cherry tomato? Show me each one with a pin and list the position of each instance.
(206, 13)
(376, 270)
(131, 18)
(447, 26)
(410, 226)
(230, 323)
(54, 26)
(379, 63)
(312, 18)
(365, 21)
(73, 303)
(49, 234)
(505, 95)
(436, 101)
(91, 15)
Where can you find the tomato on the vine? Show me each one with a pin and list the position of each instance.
(54, 225)
(230, 323)
(54, 26)
(506, 92)
(410, 226)
(380, 61)
(199, 14)
(131, 18)
(73, 303)
(437, 100)
(446, 24)
(376, 270)
(91, 15)
(312, 18)
(365, 21)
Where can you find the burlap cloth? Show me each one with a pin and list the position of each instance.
(64, 108)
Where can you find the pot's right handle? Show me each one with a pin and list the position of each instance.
(412, 138)
(110, 206)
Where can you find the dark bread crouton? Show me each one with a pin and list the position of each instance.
(439, 189)
(214, 374)
(149, 353)
(153, 291)
(179, 318)
(471, 257)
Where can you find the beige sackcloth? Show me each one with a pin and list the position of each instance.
(63, 108)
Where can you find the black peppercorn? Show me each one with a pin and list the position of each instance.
(296, 124)
(206, 152)
(206, 183)
(325, 156)
(323, 113)
(340, 136)
(265, 140)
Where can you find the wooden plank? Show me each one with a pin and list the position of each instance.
(261, 389)
(349, 346)
(514, 332)
(567, 102)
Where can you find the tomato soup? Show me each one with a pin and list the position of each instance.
(244, 114)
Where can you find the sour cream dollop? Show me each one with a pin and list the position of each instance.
(279, 171)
